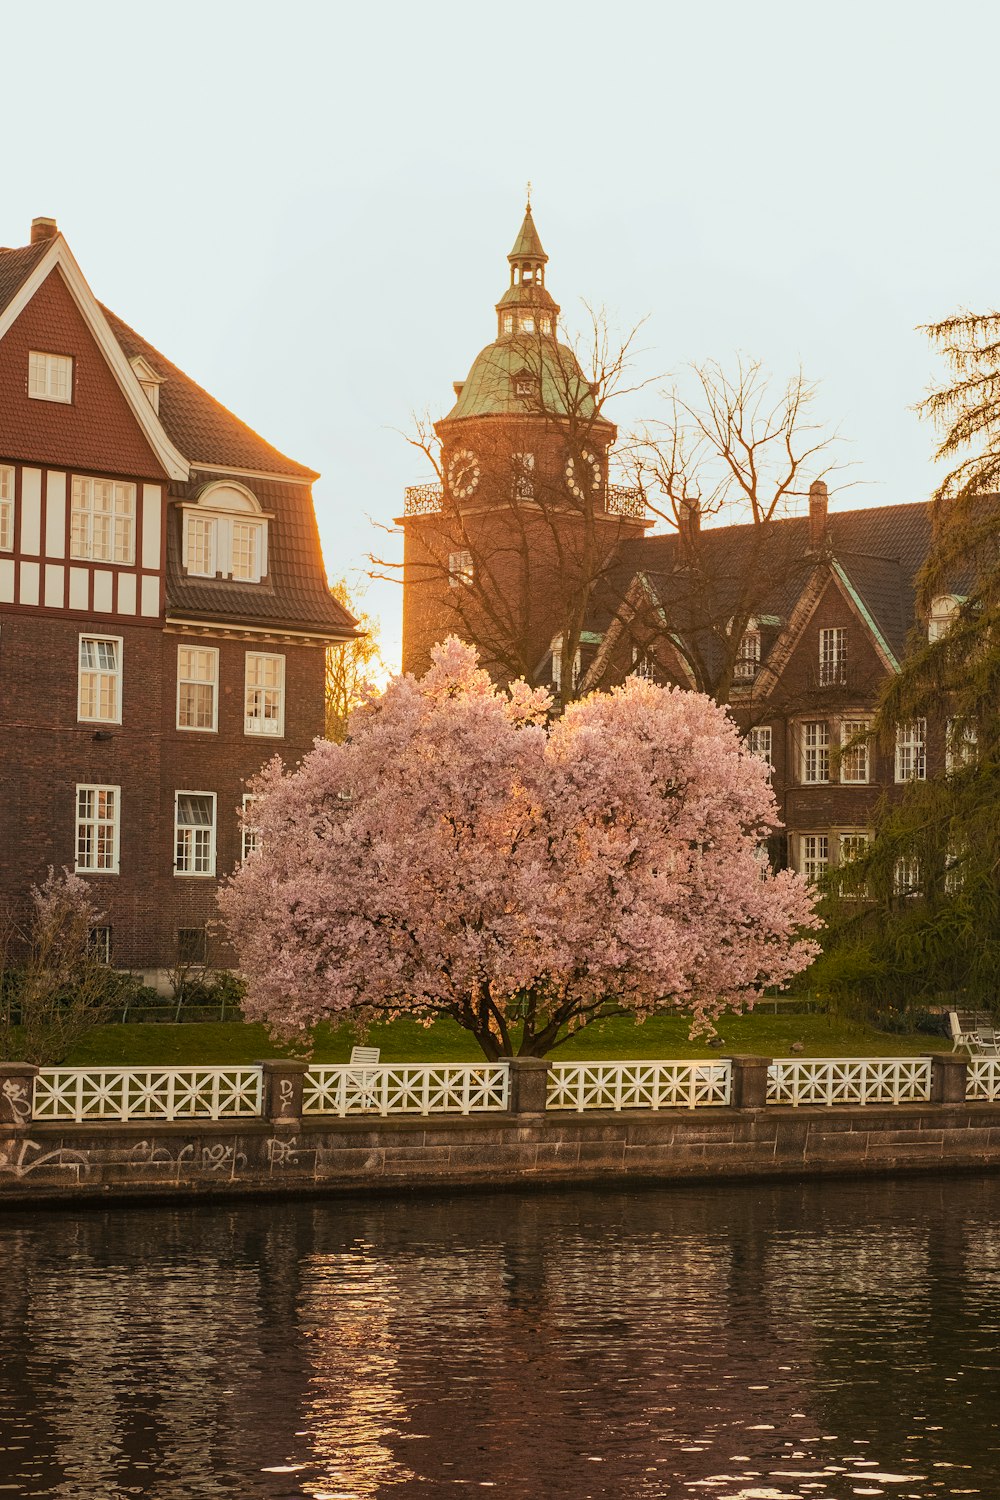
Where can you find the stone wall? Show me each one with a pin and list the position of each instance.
(40, 1162)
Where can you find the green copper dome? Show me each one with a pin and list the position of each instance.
(503, 381)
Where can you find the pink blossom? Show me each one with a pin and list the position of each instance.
(460, 856)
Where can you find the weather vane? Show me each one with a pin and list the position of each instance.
(529, 192)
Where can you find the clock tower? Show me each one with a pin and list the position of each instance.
(505, 549)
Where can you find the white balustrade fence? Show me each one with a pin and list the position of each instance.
(983, 1079)
(388, 1089)
(638, 1085)
(147, 1093)
(850, 1080)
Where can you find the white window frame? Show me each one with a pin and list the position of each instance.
(6, 508)
(760, 743)
(814, 855)
(815, 752)
(50, 377)
(961, 745)
(857, 760)
(258, 723)
(249, 832)
(862, 839)
(88, 818)
(833, 656)
(219, 524)
(643, 664)
(102, 533)
(747, 663)
(101, 674)
(911, 751)
(461, 570)
(944, 612)
(191, 844)
(213, 682)
(906, 876)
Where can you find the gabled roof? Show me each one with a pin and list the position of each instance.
(875, 553)
(15, 268)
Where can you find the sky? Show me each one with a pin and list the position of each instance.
(308, 207)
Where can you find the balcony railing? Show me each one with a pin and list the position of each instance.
(423, 499)
(428, 499)
(622, 500)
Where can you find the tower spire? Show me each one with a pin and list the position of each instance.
(526, 306)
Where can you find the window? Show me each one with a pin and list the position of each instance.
(97, 829)
(960, 745)
(748, 657)
(759, 742)
(816, 751)
(461, 571)
(906, 876)
(853, 758)
(194, 833)
(527, 324)
(99, 686)
(643, 664)
(225, 535)
(815, 848)
(911, 751)
(832, 657)
(524, 475)
(854, 846)
(192, 945)
(524, 386)
(508, 322)
(954, 871)
(944, 611)
(100, 944)
(546, 325)
(102, 525)
(250, 835)
(557, 666)
(50, 377)
(197, 681)
(264, 694)
(6, 508)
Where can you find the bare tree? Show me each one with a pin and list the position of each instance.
(54, 984)
(738, 450)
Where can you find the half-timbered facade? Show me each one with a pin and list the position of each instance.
(164, 615)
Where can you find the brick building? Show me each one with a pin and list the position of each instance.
(164, 615)
(833, 593)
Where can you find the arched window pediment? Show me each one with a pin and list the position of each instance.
(227, 495)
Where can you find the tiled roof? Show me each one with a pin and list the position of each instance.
(15, 268)
(880, 550)
(202, 428)
(295, 593)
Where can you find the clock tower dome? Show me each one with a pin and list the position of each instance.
(505, 549)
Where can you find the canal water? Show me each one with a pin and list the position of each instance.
(789, 1342)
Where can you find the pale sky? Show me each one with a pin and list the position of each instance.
(308, 206)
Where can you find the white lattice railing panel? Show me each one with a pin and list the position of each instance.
(429, 1089)
(147, 1093)
(638, 1085)
(983, 1079)
(850, 1080)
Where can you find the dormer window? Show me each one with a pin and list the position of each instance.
(148, 379)
(225, 535)
(944, 612)
(747, 662)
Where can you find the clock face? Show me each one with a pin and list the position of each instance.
(583, 474)
(463, 473)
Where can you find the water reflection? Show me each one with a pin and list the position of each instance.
(755, 1343)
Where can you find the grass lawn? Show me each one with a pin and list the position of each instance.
(209, 1042)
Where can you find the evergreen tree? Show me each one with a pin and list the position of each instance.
(931, 924)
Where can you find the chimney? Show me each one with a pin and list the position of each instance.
(689, 519)
(817, 512)
(43, 229)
